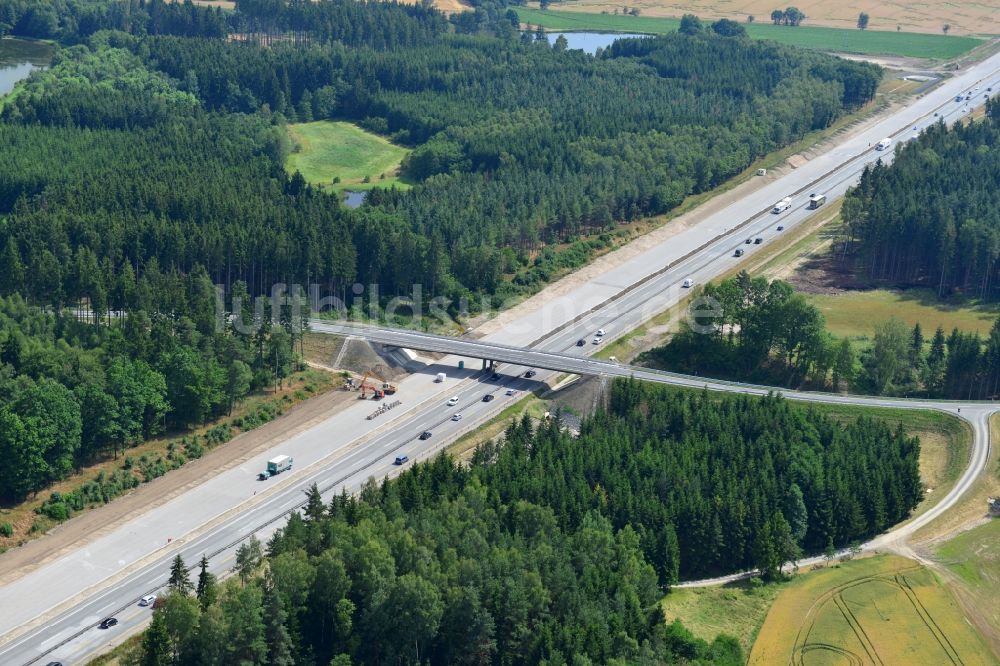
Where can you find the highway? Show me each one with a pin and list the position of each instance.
(51, 613)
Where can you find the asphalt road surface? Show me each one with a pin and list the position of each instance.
(51, 613)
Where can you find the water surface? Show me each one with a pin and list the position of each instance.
(18, 59)
(588, 42)
(354, 199)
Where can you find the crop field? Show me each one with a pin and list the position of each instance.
(884, 15)
(867, 42)
(853, 314)
(974, 557)
(880, 610)
(326, 150)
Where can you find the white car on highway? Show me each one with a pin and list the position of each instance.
(452, 401)
(456, 417)
(688, 283)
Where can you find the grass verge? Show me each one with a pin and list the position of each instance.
(464, 446)
(884, 609)
(971, 508)
(325, 150)
(102, 482)
(864, 42)
(973, 558)
(737, 609)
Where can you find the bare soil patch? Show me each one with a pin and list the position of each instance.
(822, 274)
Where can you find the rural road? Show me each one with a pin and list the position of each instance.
(51, 612)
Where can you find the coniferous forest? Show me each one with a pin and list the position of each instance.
(930, 219)
(147, 165)
(517, 146)
(550, 549)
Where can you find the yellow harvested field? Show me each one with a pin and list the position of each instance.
(923, 16)
(222, 4)
(447, 6)
(873, 611)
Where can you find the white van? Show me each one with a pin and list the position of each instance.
(883, 144)
(688, 283)
(148, 600)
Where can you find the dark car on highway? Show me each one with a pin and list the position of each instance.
(530, 373)
(581, 342)
(748, 241)
(495, 376)
(780, 228)
(426, 434)
(488, 397)
(758, 241)
(401, 460)
(738, 252)
(108, 622)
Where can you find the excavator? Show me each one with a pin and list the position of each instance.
(378, 391)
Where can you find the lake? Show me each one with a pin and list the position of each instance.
(354, 199)
(588, 42)
(18, 58)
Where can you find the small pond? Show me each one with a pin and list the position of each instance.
(588, 42)
(18, 58)
(354, 199)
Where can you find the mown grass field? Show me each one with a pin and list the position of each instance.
(738, 610)
(879, 610)
(866, 42)
(325, 150)
(854, 314)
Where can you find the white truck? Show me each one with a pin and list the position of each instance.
(883, 144)
(782, 205)
(276, 466)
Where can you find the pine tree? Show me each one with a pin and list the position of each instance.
(156, 650)
(936, 359)
(671, 555)
(279, 644)
(11, 268)
(796, 513)
(180, 580)
(207, 589)
(248, 557)
(315, 509)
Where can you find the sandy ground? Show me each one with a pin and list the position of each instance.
(964, 18)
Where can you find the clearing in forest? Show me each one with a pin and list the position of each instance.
(878, 610)
(839, 40)
(325, 150)
(854, 314)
